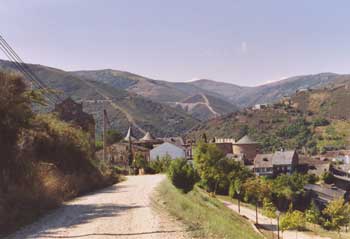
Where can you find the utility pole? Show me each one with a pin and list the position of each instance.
(104, 133)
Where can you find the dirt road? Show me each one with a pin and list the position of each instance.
(121, 211)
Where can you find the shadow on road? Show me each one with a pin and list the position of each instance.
(110, 234)
(71, 215)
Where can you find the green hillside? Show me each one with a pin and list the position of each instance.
(158, 118)
(313, 122)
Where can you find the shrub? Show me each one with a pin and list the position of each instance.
(320, 122)
(159, 165)
(182, 175)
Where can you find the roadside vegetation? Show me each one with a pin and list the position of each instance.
(43, 162)
(205, 216)
(284, 193)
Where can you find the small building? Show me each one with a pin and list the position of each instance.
(118, 153)
(323, 194)
(276, 163)
(260, 106)
(72, 112)
(263, 165)
(167, 150)
(285, 161)
(248, 147)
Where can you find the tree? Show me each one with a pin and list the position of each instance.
(293, 220)
(209, 164)
(15, 115)
(337, 214)
(256, 189)
(113, 136)
(236, 190)
(313, 214)
(182, 175)
(140, 162)
(269, 210)
(287, 189)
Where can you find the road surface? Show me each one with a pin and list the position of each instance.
(266, 223)
(120, 211)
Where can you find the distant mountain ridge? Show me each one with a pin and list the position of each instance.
(240, 96)
(223, 98)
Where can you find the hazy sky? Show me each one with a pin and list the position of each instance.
(242, 42)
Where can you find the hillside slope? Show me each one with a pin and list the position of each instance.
(127, 109)
(268, 93)
(313, 121)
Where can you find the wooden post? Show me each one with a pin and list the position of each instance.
(104, 133)
(256, 213)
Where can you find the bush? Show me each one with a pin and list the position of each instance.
(320, 122)
(159, 165)
(182, 175)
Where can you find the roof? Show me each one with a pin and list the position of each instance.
(178, 141)
(324, 192)
(129, 135)
(246, 140)
(165, 145)
(283, 157)
(263, 161)
(147, 137)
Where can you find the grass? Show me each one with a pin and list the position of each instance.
(310, 228)
(318, 230)
(206, 217)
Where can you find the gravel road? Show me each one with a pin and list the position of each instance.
(121, 211)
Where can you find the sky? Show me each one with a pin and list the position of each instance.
(241, 42)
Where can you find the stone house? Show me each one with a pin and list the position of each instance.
(248, 148)
(72, 112)
(118, 153)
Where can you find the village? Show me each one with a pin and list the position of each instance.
(327, 175)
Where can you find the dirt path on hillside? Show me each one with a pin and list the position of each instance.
(121, 211)
(266, 223)
(207, 103)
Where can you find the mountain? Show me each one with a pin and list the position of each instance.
(267, 93)
(312, 121)
(125, 109)
(240, 96)
(174, 94)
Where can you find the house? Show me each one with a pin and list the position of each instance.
(72, 112)
(167, 150)
(323, 194)
(118, 153)
(260, 106)
(248, 147)
(263, 165)
(285, 161)
(276, 163)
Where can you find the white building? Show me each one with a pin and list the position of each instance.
(167, 149)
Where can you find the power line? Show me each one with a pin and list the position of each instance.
(26, 71)
(24, 65)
